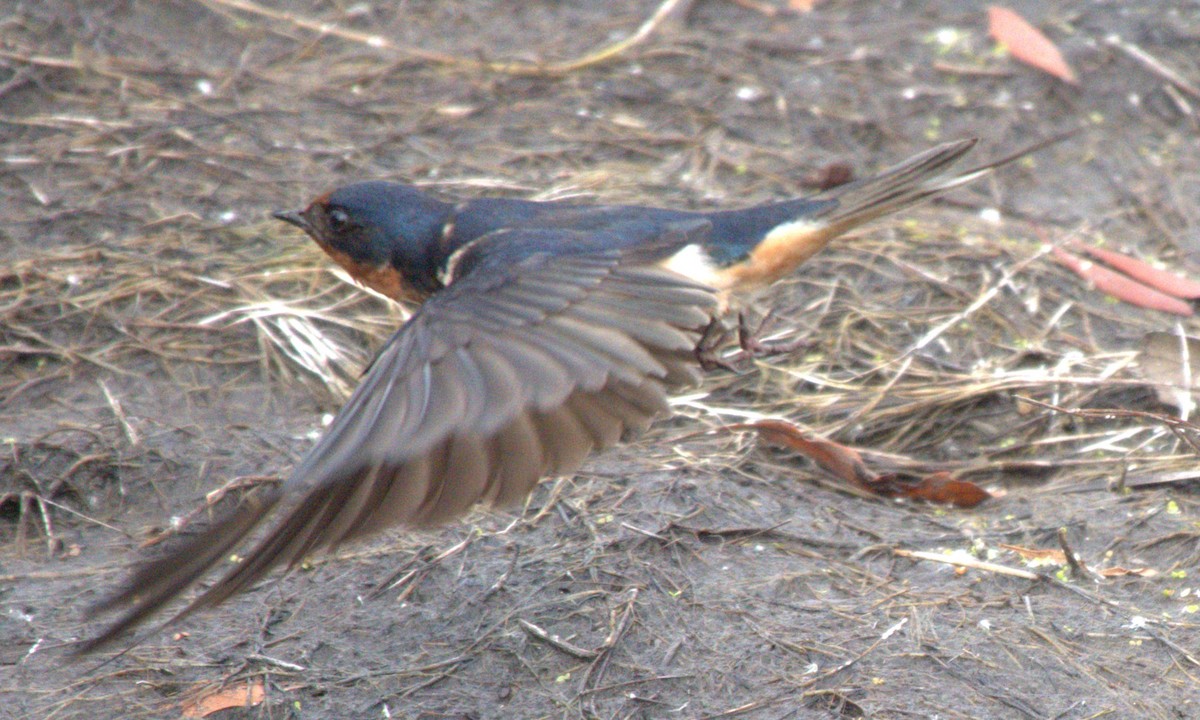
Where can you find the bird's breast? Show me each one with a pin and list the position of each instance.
(384, 279)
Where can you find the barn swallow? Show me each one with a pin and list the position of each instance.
(404, 243)
(542, 331)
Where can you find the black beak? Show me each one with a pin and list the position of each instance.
(292, 217)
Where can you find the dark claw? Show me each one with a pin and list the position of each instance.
(751, 345)
(748, 340)
(713, 337)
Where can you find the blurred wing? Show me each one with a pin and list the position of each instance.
(515, 371)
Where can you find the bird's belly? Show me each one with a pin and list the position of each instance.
(694, 263)
(779, 253)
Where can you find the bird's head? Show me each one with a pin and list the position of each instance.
(385, 234)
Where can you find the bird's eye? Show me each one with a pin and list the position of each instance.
(338, 220)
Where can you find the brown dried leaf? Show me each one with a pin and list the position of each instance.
(942, 487)
(1038, 556)
(245, 694)
(1142, 271)
(1120, 571)
(1120, 286)
(828, 176)
(848, 465)
(1171, 365)
(1028, 44)
(840, 460)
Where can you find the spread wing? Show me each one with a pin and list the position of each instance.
(521, 366)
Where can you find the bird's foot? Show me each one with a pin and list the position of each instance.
(709, 345)
(749, 340)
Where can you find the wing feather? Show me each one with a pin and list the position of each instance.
(564, 439)
(516, 455)
(518, 369)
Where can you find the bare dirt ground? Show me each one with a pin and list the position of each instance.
(161, 337)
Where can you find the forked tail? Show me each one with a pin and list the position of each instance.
(911, 182)
(798, 229)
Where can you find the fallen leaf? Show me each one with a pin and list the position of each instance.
(840, 460)
(1171, 365)
(1027, 44)
(1142, 271)
(1120, 286)
(847, 464)
(245, 694)
(1038, 556)
(828, 176)
(942, 487)
(1119, 571)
